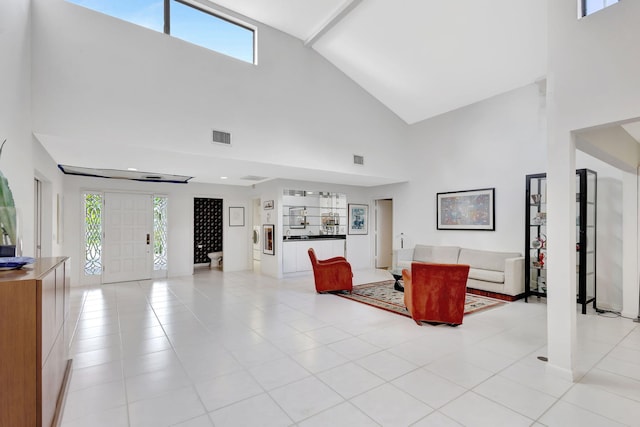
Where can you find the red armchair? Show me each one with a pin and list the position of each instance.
(333, 274)
(436, 292)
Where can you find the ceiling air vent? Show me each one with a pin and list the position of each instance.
(222, 137)
(358, 160)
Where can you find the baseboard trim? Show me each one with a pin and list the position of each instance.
(62, 397)
(495, 295)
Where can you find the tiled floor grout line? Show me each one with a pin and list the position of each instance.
(578, 381)
(244, 369)
(311, 374)
(266, 306)
(172, 346)
(124, 380)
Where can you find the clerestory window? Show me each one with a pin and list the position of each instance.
(185, 20)
(587, 7)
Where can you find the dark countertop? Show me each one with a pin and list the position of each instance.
(315, 237)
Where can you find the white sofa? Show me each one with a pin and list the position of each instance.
(496, 272)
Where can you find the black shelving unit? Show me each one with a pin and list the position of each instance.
(535, 274)
(586, 203)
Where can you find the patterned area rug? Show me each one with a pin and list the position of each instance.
(382, 295)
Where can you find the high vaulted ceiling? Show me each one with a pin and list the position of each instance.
(420, 58)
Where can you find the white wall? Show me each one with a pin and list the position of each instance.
(46, 170)
(110, 87)
(594, 81)
(359, 247)
(493, 143)
(15, 111)
(594, 70)
(100, 88)
(236, 240)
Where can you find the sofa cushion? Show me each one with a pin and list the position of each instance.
(422, 253)
(486, 275)
(436, 254)
(485, 260)
(401, 265)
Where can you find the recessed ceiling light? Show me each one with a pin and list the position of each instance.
(132, 169)
(223, 177)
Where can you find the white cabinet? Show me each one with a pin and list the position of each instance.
(296, 259)
(289, 263)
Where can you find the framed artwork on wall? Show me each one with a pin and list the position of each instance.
(269, 239)
(466, 210)
(268, 204)
(358, 219)
(236, 216)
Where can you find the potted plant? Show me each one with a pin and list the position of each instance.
(8, 234)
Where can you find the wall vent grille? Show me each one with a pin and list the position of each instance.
(358, 160)
(222, 137)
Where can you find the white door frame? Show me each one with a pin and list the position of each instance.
(383, 233)
(256, 240)
(37, 227)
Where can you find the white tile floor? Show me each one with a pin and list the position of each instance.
(240, 349)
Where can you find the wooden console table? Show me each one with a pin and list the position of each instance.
(35, 368)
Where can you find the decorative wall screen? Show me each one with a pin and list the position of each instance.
(207, 228)
(160, 233)
(93, 234)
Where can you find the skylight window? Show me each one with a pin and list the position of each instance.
(184, 20)
(590, 6)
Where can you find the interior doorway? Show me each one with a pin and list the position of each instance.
(255, 235)
(384, 233)
(37, 226)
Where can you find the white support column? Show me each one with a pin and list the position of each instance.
(630, 226)
(561, 235)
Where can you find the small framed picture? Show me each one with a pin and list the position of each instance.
(268, 204)
(236, 216)
(269, 239)
(358, 219)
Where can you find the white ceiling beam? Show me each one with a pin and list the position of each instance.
(338, 16)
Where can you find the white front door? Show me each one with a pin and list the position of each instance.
(128, 229)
